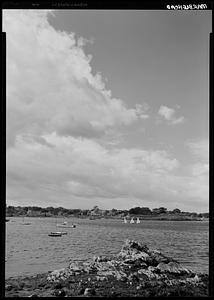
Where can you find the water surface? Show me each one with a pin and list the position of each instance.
(29, 249)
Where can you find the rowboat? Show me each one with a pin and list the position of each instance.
(61, 232)
(55, 234)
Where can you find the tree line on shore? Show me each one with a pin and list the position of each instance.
(12, 211)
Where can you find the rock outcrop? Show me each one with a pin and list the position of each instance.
(148, 271)
(135, 271)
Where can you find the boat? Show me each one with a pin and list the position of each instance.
(66, 226)
(25, 223)
(63, 224)
(7, 220)
(138, 221)
(61, 232)
(125, 221)
(58, 233)
(132, 221)
(55, 234)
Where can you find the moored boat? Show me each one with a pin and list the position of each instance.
(55, 234)
(61, 232)
(66, 226)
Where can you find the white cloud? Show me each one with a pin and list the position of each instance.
(200, 169)
(168, 114)
(200, 152)
(50, 85)
(80, 170)
(199, 149)
(141, 109)
(61, 121)
(84, 167)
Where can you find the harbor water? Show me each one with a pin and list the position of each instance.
(29, 249)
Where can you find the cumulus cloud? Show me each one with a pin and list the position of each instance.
(169, 114)
(50, 85)
(199, 149)
(199, 168)
(141, 110)
(82, 167)
(63, 129)
(200, 152)
(79, 170)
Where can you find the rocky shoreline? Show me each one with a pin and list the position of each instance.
(136, 271)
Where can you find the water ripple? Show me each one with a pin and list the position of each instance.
(29, 249)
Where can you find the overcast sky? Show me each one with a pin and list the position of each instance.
(107, 108)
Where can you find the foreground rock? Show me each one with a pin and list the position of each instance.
(135, 271)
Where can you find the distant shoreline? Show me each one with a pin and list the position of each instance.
(144, 213)
(142, 218)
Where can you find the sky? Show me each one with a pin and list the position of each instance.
(107, 108)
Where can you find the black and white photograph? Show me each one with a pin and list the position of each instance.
(107, 152)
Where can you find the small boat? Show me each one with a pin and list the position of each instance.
(61, 232)
(125, 221)
(66, 226)
(138, 221)
(132, 221)
(55, 234)
(7, 220)
(63, 224)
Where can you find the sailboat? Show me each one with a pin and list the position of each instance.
(138, 221)
(125, 221)
(132, 221)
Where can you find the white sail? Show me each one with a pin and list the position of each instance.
(138, 221)
(125, 221)
(132, 221)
